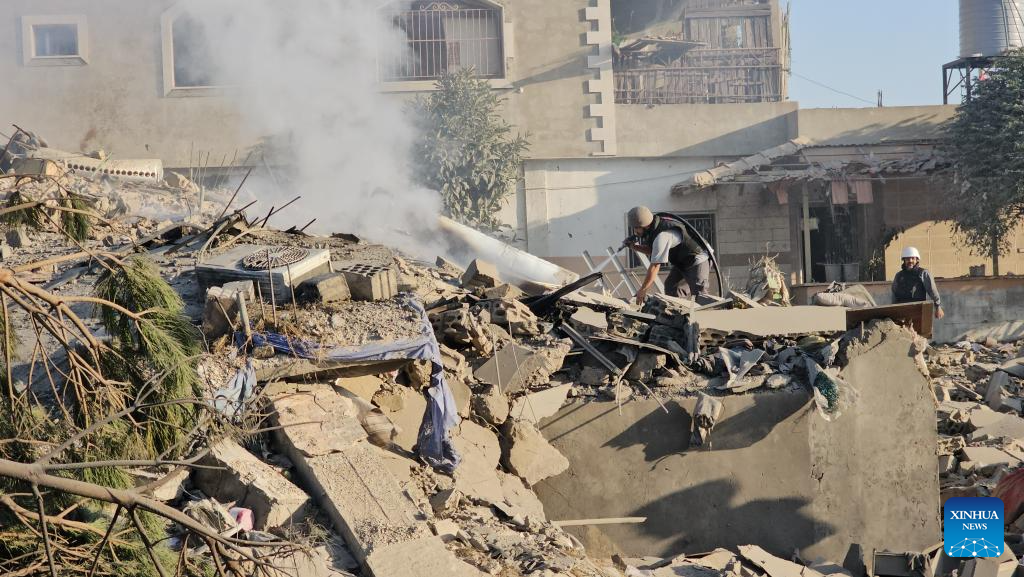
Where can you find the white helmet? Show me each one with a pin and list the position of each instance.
(910, 252)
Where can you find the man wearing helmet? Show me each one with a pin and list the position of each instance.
(913, 283)
(664, 237)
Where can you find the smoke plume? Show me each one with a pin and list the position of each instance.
(304, 74)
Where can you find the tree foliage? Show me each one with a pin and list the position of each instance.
(465, 149)
(985, 142)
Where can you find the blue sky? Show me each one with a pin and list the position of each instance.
(863, 46)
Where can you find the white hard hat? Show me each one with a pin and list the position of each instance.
(910, 252)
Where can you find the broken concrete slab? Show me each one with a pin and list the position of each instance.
(997, 385)
(768, 321)
(515, 366)
(774, 566)
(589, 320)
(978, 371)
(405, 407)
(993, 425)
(337, 428)
(419, 557)
(347, 478)
(476, 476)
(519, 496)
(645, 364)
(363, 387)
(504, 291)
(249, 482)
(463, 396)
(491, 405)
(528, 454)
(171, 486)
(480, 274)
(533, 407)
(983, 457)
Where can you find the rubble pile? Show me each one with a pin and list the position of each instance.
(383, 416)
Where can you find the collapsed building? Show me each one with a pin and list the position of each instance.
(432, 418)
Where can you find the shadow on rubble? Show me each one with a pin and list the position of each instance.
(745, 421)
(704, 517)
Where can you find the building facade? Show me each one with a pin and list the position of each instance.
(609, 128)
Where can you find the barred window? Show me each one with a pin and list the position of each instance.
(704, 223)
(443, 37)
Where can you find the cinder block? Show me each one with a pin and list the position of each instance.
(480, 274)
(367, 282)
(220, 315)
(327, 288)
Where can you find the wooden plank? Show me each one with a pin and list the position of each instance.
(602, 521)
(919, 315)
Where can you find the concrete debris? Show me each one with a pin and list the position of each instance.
(480, 274)
(559, 424)
(528, 454)
(491, 405)
(326, 288)
(514, 366)
(705, 415)
(249, 482)
(535, 407)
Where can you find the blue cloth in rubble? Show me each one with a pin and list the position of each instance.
(434, 443)
(231, 399)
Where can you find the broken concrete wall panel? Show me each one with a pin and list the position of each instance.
(481, 274)
(770, 321)
(811, 484)
(249, 482)
(319, 420)
(534, 407)
(515, 367)
(426, 556)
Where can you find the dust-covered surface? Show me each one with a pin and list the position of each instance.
(353, 323)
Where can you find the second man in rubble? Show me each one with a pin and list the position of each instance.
(665, 238)
(913, 283)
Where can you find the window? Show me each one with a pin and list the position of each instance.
(445, 37)
(54, 40)
(703, 222)
(189, 69)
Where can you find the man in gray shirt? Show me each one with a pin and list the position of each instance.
(664, 237)
(912, 283)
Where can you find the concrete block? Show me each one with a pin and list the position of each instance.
(491, 405)
(326, 288)
(6, 252)
(996, 390)
(646, 363)
(978, 371)
(18, 238)
(529, 455)
(368, 282)
(249, 482)
(463, 397)
(172, 485)
(476, 476)
(534, 407)
(504, 291)
(480, 274)
(512, 315)
(947, 464)
(983, 457)
(521, 497)
(515, 367)
(220, 314)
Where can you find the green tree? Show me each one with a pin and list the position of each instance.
(985, 142)
(465, 150)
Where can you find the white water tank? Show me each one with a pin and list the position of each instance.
(990, 27)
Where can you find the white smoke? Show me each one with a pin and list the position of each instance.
(305, 73)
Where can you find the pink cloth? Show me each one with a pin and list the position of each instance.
(840, 192)
(863, 191)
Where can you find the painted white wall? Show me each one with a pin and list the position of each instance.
(567, 206)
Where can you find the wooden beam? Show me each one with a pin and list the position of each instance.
(604, 521)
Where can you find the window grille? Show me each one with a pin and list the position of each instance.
(443, 37)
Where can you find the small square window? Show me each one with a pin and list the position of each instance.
(54, 40)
